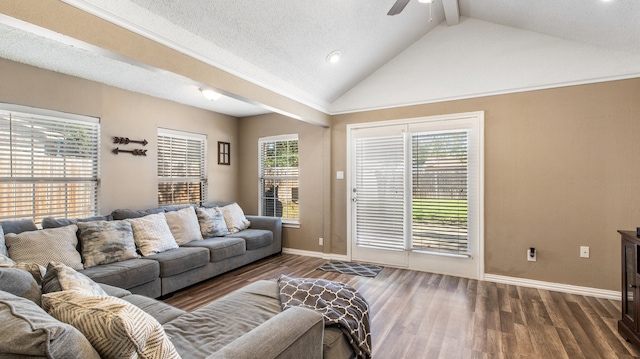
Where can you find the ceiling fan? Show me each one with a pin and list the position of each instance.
(400, 5)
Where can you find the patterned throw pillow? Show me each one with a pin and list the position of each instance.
(105, 242)
(115, 328)
(60, 277)
(234, 217)
(183, 224)
(211, 222)
(3, 246)
(152, 234)
(37, 271)
(44, 246)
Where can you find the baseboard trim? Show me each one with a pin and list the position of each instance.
(328, 256)
(557, 287)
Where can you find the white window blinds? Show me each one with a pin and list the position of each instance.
(48, 164)
(380, 189)
(182, 176)
(439, 184)
(279, 177)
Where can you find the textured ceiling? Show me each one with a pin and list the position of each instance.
(282, 44)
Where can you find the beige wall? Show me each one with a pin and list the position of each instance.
(314, 146)
(126, 181)
(561, 171)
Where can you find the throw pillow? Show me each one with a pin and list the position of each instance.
(152, 234)
(211, 222)
(234, 217)
(113, 326)
(183, 224)
(3, 246)
(105, 242)
(29, 332)
(60, 277)
(20, 283)
(45, 245)
(37, 271)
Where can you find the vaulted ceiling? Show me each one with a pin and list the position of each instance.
(424, 54)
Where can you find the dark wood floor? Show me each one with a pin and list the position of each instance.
(424, 315)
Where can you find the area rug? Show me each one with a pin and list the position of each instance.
(365, 270)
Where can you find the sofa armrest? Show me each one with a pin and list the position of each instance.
(274, 224)
(293, 334)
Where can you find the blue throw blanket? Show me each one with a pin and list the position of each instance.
(339, 303)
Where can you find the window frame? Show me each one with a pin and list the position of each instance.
(89, 200)
(202, 179)
(288, 222)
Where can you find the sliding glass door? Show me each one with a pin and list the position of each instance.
(416, 192)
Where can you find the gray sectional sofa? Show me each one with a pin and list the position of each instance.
(164, 273)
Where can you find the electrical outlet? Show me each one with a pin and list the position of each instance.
(584, 252)
(532, 254)
(321, 241)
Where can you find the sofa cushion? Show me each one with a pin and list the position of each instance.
(152, 234)
(183, 224)
(28, 331)
(234, 216)
(18, 226)
(20, 283)
(126, 274)
(161, 311)
(60, 277)
(51, 222)
(114, 291)
(221, 248)
(114, 327)
(180, 260)
(105, 242)
(255, 238)
(208, 329)
(211, 222)
(46, 245)
(133, 213)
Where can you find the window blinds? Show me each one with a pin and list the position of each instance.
(48, 165)
(379, 190)
(279, 177)
(181, 168)
(439, 185)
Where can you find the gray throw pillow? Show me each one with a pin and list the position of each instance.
(211, 222)
(21, 283)
(28, 331)
(105, 242)
(18, 226)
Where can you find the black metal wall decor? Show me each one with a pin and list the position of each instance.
(224, 153)
(126, 141)
(136, 152)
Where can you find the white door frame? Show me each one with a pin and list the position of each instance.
(436, 261)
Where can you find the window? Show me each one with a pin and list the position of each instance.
(279, 177)
(182, 176)
(48, 164)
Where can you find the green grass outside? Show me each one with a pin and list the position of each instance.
(440, 211)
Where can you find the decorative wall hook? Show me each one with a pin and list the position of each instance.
(126, 141)
(136, 152)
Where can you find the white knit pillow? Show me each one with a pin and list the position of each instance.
(45, 245)
(152, 234)
(114, 327)
(184, 225)
(234, 217)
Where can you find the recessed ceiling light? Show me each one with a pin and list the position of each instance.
(334, 57)
(210, 94)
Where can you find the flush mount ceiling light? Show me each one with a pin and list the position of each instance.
(334, 57)
(426, 1)
(210, 94)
